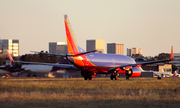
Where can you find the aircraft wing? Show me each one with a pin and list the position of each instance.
(49, 53)
(66, 54)
(136, 65)
(128, 66)
(50, 64)
(39, 63)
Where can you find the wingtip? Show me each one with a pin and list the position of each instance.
(65, 16)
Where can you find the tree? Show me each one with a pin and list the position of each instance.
(162, 56)
(136, 55)
(174, 67)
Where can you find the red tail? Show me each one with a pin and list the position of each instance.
(10, 56)
(171, 53)
(72, 45)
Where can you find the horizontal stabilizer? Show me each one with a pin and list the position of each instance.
(82, 53)
(49, 53)
(74, 55)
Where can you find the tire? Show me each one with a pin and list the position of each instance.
(159, 78)
(116, 77)
(111, 77)
(90, 78)
(85, 78)
(34, 76)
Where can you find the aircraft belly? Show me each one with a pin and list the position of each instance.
(38, 68)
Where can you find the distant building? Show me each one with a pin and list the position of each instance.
(115, 48)
(12, 45)
(131, 51)
(161, 67)
(58, 47)
(95, 45)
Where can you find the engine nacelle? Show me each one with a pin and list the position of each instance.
(133, 72)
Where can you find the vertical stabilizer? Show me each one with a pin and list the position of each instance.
(10, 57)
(72, 45)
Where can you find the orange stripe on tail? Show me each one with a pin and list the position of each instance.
(71, 40)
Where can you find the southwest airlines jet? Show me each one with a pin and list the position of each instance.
(92, 63)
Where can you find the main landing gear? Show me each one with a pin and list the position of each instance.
(127, 77)
(128, 73)
(86, 75)
(114, 76)
(34, 75)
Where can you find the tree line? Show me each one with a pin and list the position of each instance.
(45, 58)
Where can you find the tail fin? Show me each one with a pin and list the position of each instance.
(73, 47)
(175, 74)
(10, 57)
(171, 53)
(16, 64)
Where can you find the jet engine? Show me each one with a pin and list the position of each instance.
(133, 72)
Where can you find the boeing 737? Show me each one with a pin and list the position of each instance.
(92, 63)
(32, 69)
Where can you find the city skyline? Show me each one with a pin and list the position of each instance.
(150, 25)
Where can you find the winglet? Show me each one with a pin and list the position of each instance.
(171, 53)
(10, 57)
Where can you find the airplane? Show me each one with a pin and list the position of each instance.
(166, 74)
(47, 70)
(175, 74)
(92, 63)
(31, 69)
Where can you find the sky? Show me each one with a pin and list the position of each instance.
(153, 25)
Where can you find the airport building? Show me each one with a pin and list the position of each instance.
(131, 51)
(115, 48)
(95, 45)
(12, 45)
(176, 60)
(58, 47)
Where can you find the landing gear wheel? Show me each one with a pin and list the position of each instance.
(90, 78)
(127, 78)
(34, 76)
(116, 77)
(28, 75)
(85, 78)
(111, 77)
(159, 78)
